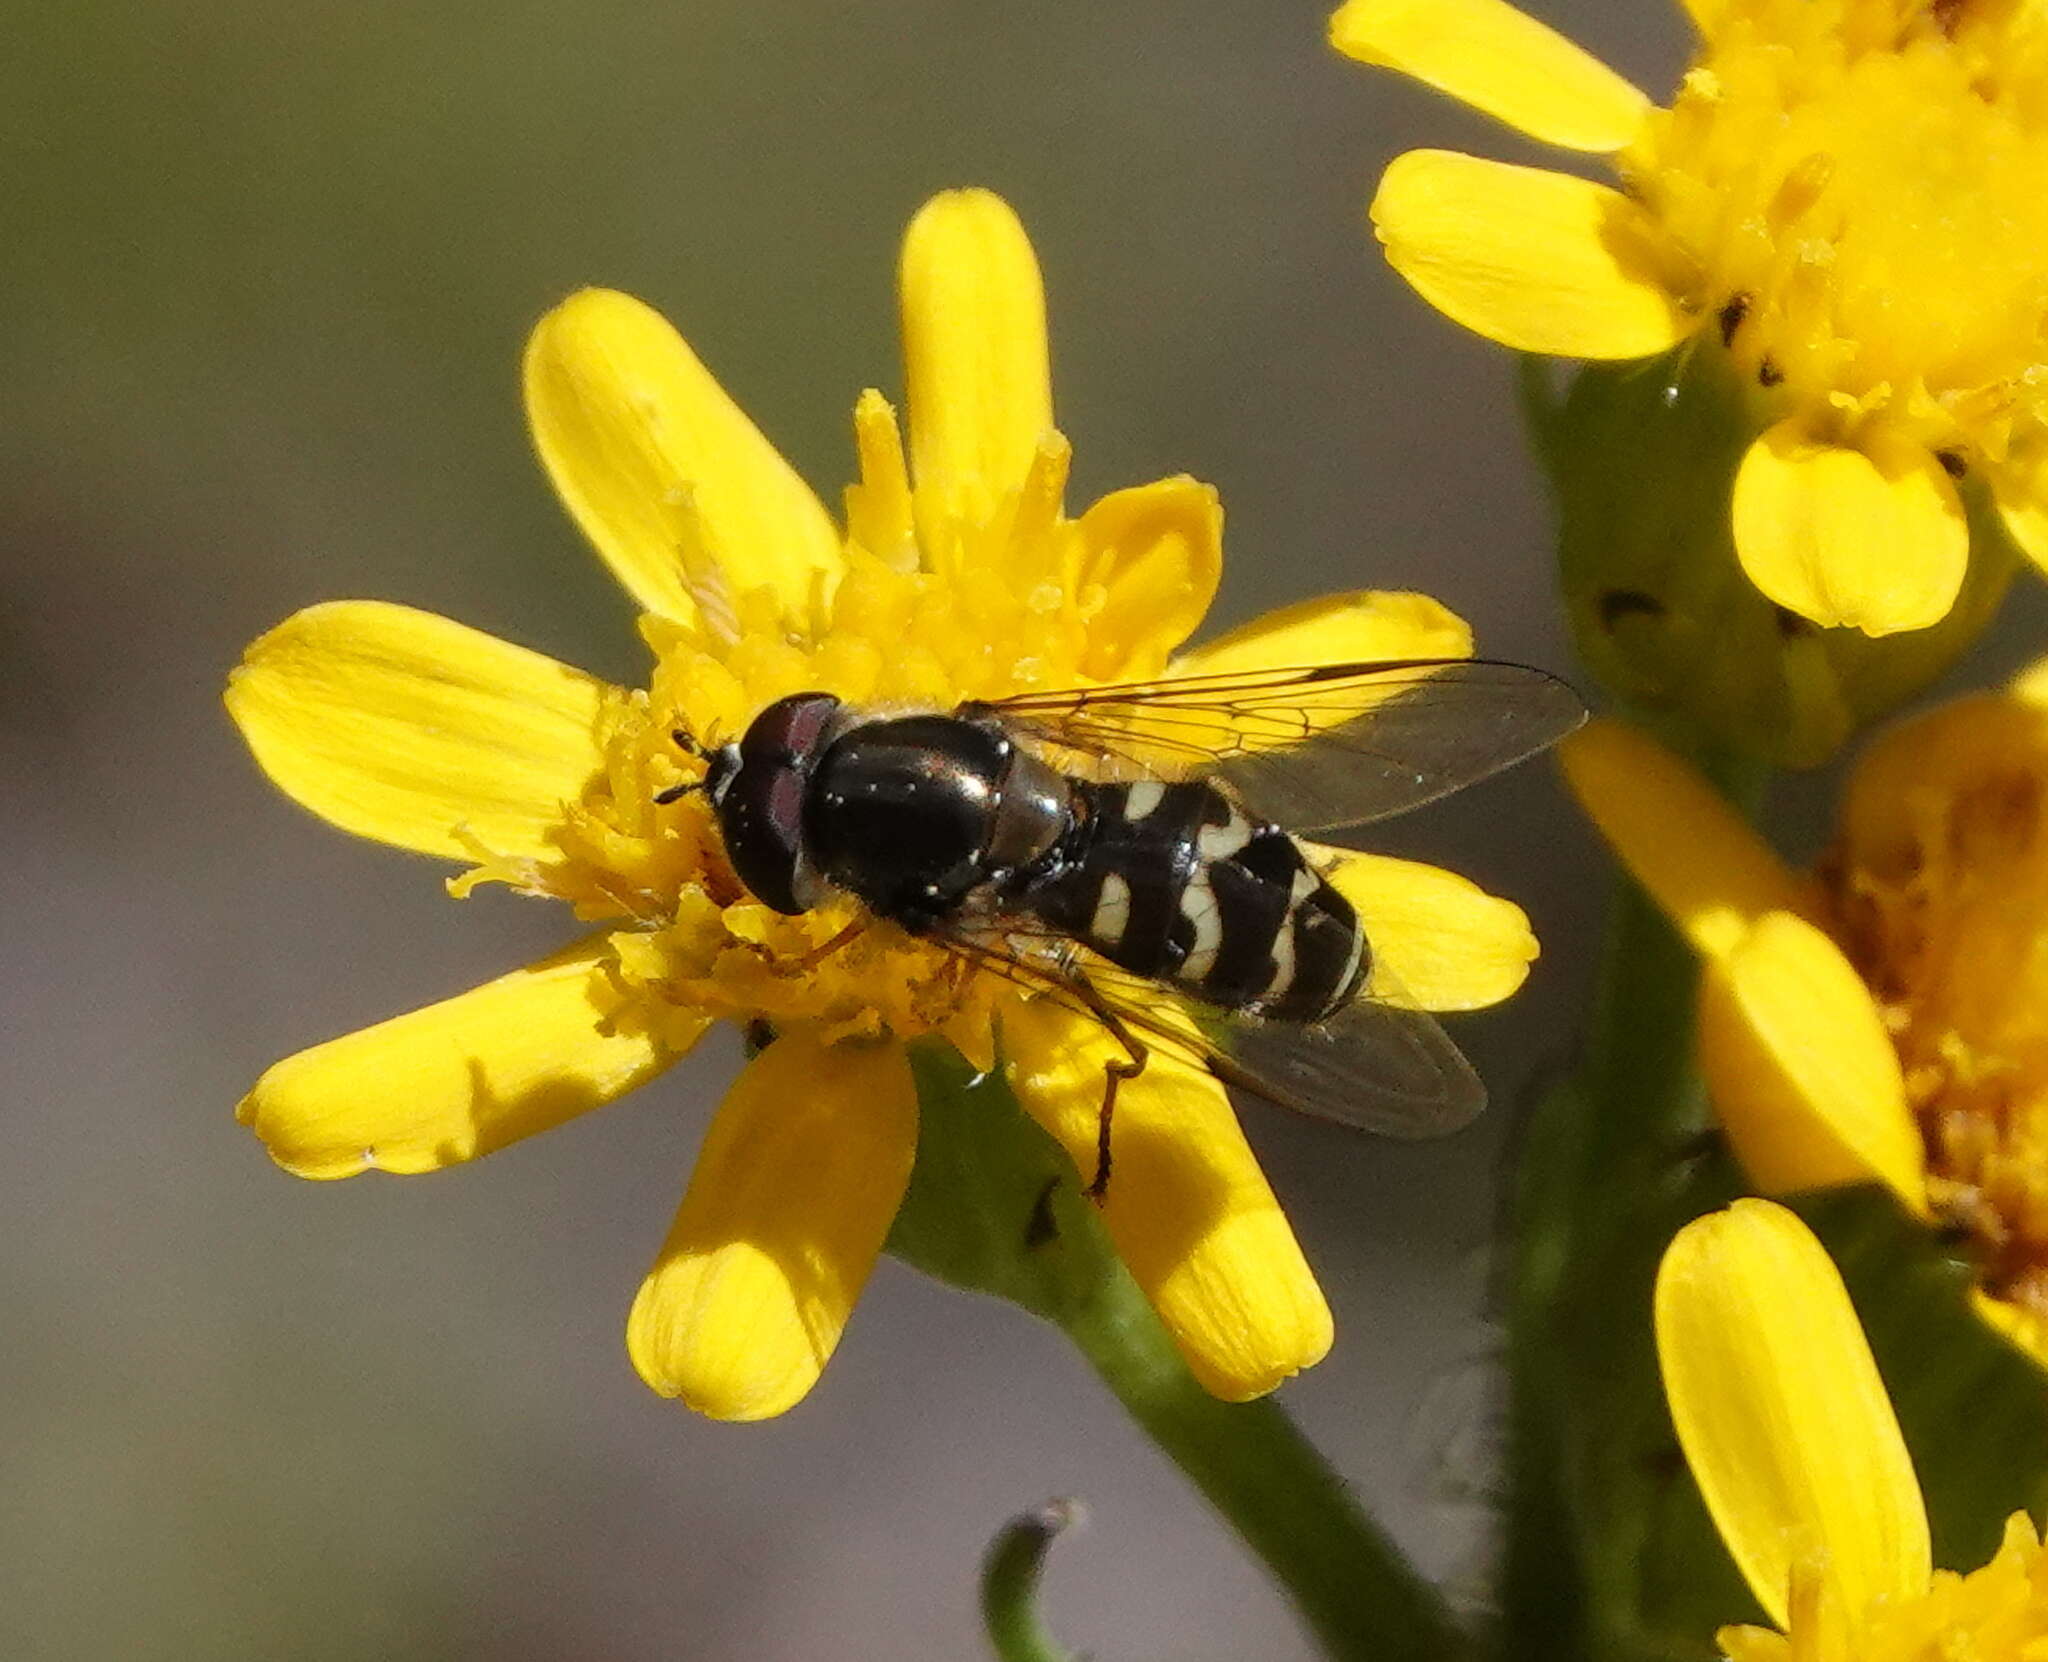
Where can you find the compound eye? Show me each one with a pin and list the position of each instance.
(761, 816)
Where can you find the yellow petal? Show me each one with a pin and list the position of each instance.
(460, 1078)
(2021, 491)
(1871, 539)
(1156, 552)
(2030, 686)
(1438, 941)
(793, 1193)
(403, 726)
(1803, 1075)
(1499, 60)
(2019, 1324)
(979, 378)
(1781, 1412)
(1677, 835)
(1190, 1212)
(1361, 627)
(673, 485)
(1536, 260)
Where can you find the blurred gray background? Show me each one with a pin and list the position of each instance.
(268, 270)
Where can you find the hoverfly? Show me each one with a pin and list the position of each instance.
(1131, 850)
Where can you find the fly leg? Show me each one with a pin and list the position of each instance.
(1115, 1072)
(817, 955)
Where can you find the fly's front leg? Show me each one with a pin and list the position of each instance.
(1115, 1072)
(846, 937)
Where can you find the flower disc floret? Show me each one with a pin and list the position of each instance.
(1938, 888)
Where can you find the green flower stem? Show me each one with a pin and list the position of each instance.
(995, 1206)
(1349, 1581)
(1009, 1585)
(1613, 1161)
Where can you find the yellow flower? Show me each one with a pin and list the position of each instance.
(1787, 1427)
(957, 575)
(1885, 1018)
(1843, 197)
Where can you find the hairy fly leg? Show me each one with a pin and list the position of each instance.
(1115, 1072)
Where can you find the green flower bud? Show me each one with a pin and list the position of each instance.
(1642, 460)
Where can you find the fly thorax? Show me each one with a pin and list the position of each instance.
(1034, 812)
(903, 812)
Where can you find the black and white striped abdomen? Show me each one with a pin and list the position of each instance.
(1177, 884)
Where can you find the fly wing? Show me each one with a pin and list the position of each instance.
(1375, 1065)
(1372, 1065)
(1313, 748)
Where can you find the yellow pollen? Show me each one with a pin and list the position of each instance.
(1855, 187)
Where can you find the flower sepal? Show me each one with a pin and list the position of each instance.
(1642, 460)
(994, 1204)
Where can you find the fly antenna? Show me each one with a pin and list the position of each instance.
(686, 742)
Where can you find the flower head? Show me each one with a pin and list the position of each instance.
(1885, 1017)
(1787, 1427)
(956, 574)
(1841, 199)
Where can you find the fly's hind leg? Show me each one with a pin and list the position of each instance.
(1115, 1072)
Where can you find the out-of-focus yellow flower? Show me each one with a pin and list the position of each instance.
(1843, 196)
(957, 575)
(1886, 1017)
(1788, 1429)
